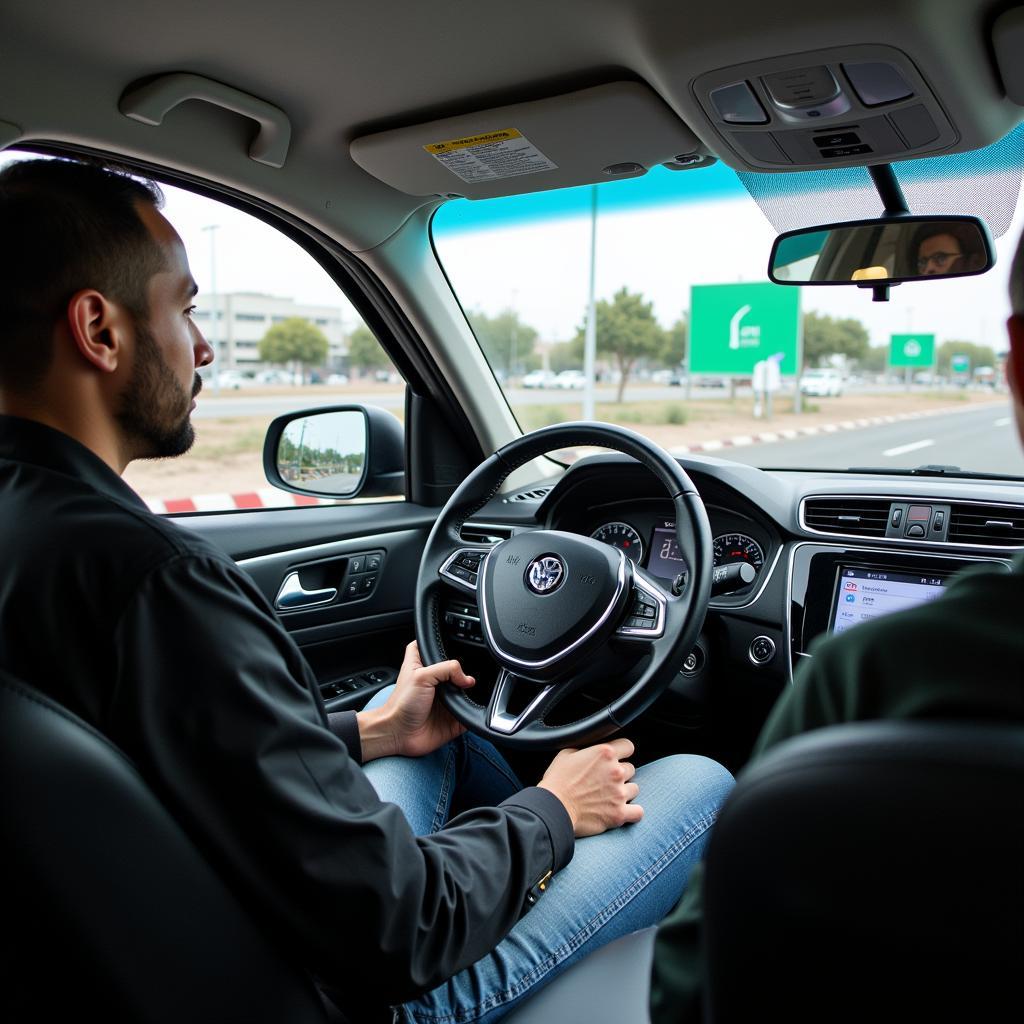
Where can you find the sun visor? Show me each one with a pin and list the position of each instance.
(618, 130)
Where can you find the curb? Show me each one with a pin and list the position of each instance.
(270, 497)
(791, 433)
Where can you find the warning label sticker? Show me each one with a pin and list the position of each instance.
(490, 156)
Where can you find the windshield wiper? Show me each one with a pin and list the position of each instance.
(950, 472)
(932, 469)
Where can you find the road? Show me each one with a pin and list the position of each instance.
(981, 439)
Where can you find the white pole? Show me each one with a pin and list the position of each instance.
(590, 335)
(214, 338)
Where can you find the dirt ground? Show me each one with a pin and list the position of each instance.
(227, 456)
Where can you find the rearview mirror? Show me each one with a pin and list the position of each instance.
(889, 250)
(336, 452)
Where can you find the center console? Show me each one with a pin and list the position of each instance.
(834, 587)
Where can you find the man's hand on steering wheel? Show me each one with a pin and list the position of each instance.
(412, 722)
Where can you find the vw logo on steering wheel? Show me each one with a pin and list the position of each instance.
(545, 573)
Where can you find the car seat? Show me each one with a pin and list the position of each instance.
(871, 872)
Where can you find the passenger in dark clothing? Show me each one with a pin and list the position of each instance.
(922, 663)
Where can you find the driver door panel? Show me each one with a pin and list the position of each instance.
(352, 575)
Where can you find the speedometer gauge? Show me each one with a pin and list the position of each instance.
(623, 537)
(738, 547)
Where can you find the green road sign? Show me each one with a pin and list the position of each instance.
(960, 364)
(734, 326)
(912, 350)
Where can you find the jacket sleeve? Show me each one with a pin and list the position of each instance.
(228, 731)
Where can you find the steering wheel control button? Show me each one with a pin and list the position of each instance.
(762, 650)
(463, 567)
(373, 562)
(356, 563)
(646, 619)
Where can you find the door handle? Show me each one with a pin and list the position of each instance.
(293, 595)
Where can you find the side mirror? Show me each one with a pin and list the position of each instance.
(339, 451)
(889, 250)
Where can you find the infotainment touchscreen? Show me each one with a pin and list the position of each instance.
(864, 594)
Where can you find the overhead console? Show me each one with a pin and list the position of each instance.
(841, 106)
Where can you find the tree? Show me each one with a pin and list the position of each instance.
(627, 330)
(676, 339)
(507, 343)
(566, 355)
(979, 355)
(824, 337)
(364, 351)
(294, 340)
(875, 360)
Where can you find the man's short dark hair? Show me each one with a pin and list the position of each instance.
(65, 226)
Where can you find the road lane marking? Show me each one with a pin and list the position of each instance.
(904, 448)
(1004, 421)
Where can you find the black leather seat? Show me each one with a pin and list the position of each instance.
(871, 872)
(111, 912)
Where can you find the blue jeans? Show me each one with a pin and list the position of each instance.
(617, 882)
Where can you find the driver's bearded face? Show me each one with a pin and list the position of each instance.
(155, 408)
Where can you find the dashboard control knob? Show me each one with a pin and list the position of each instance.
(762, 650)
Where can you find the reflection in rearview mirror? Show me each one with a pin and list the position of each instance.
(324, 453)
(888, 250)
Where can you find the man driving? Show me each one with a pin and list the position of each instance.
(171, 652)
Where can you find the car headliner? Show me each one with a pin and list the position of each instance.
(342, 70)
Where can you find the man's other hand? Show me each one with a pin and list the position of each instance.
(411, 722)
(594, 785)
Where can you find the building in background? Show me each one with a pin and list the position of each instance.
(235, 322)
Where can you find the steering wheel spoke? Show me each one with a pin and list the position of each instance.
(461, 568)
(501, 720)
(647, 611)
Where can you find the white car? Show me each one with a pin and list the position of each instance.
(822, 383)
(540, 379)
(571, 380)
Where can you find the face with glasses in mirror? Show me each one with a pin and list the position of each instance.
(947, 249)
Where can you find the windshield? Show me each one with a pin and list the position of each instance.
(696, 349)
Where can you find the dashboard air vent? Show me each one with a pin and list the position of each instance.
(860, 517)
(994, 525)
(535, 494)
(480, 533)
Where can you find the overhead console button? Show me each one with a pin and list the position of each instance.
(737, 104)
(877, 82)
(802, 87)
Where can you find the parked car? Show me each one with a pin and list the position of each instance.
(571, 380)
(821, 383)
(540, 379)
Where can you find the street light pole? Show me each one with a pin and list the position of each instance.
(590, 335)
(214, 340)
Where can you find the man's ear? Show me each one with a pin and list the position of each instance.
(97, 327)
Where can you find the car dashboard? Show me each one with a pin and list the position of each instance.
(827, 549)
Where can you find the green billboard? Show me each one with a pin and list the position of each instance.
(734, 326)
(960, 364)
(912, 350)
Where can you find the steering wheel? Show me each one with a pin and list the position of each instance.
(559, 611)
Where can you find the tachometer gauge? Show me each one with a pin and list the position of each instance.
(738, 547)
(623, 537)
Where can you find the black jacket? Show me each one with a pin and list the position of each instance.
(156, 638)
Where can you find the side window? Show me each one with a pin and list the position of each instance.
(285, 337)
